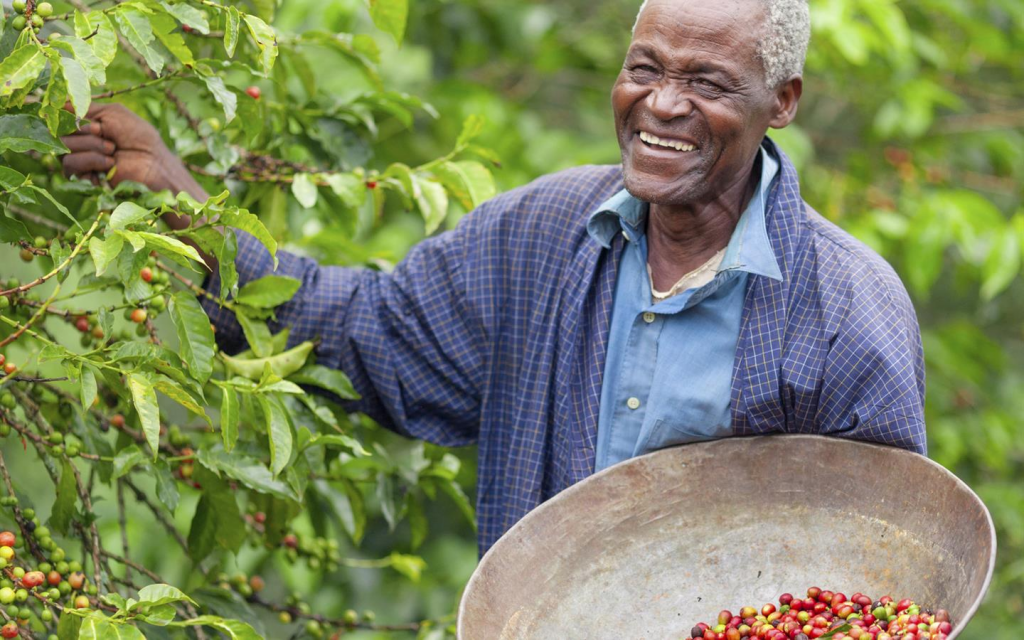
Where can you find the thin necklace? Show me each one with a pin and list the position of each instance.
(712, 262)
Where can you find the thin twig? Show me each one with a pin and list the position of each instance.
(123, 524)
(159, 514)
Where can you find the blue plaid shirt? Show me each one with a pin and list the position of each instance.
(495, 333)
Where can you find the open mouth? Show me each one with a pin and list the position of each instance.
(655, 142)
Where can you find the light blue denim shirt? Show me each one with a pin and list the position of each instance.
(668, 373)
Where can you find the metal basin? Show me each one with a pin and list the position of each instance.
(653, 545)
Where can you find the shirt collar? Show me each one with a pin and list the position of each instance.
(749, 248)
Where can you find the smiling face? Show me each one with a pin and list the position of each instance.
(691, 104)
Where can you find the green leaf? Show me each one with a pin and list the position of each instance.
(175, 392)
(337, 439)
(304, 190)
(471, 128)
(257, 334)
(224, 96)
(348, 506)
(351, 188)
(94, 68)
(67, 497)
(390, 16)
(157, 594)
(233, 629)
(332, 380)
(386, 498)
(159, 616)
(127, 214)
(166, 30)
(166, 487)
(409, 566)
(97, 627)
(87, 386)
(1002, 264)
(104, 252)
(52, 107)
(468, 180)
(246, 470)
(229, 409)
(456, 493)
(432, 202)
(136, 28)
(102, 38)
(265, 40)
(126, 460)
(187, 14)
(69, 626)
(268, 292)
(144, 399)
(22, 132)
(168, 243)
(231, 22)
(279, 430)
(21, 68)
(203, 530)
(245, 221)
(417, 520)
(195, 336)
(78, 86)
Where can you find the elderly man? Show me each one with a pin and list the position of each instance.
(607, 311)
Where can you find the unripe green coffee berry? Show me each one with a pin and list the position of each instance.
(56, 437)
(40, 242)
(44, 9)
(45, 567)
(46, 615)
(18, 23)
(28, 513)
(62, 567)
(37, 20)
(91, 590)
(53, 594)
(18, 572)
(19, 6)
(64, 588)
(42, 532)
(350, 616)
(21, 595)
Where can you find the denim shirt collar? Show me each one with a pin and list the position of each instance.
(748, 250)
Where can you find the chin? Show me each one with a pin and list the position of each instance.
(656, 190)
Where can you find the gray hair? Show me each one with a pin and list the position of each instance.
(782, 47)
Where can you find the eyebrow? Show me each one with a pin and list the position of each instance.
(704, 67)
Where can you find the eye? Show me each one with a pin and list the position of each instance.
(643, 72)
(707, 87)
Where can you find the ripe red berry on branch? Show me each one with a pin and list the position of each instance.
(146, 274)
(253, 91)
(139, 316)
(82, 324)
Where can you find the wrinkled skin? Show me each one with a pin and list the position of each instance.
(692, 75)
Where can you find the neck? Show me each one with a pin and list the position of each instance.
(680, 238)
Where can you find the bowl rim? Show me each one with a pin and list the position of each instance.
(568, 493)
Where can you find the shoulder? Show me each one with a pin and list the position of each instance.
(853, 282)
(559, 200)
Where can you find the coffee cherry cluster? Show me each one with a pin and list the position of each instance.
(31, 14)
(27, 593)
(828, 614)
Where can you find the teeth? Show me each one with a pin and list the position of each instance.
(650, 138)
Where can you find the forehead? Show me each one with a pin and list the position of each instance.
(723, 32)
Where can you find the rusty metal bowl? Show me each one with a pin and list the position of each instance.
(653, 545)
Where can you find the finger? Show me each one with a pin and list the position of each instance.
(81, 163)
(83, 142)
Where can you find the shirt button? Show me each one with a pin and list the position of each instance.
(633, 403)
(649, 317)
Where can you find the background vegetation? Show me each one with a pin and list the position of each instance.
(910, 135)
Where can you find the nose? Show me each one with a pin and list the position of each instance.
(668, 101)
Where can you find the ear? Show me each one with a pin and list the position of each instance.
(787, 95)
